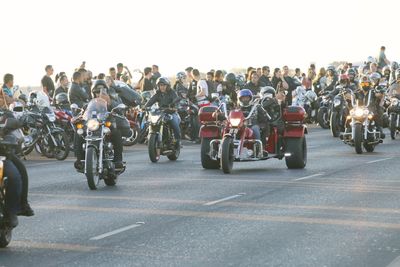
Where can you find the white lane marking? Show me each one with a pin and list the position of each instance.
(378, 160)
(120, 230)
(310, 176)
(223, 199)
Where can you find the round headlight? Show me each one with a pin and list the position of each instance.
(395, 102)
(93, 125)
(359, 112)
(51, 117)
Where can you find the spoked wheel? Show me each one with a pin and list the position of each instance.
(62, 147)
(92, 172)
(133, 138)
(227, 156)
(5, 236)
(154, 148)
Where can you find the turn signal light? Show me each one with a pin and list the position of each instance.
(79, 126)
(370, 116)
(108, 124)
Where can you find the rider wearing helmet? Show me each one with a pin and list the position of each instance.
(179, 86)
(370, 85)
(101, 90)
(386, 73)
(61, 100)
(258, 119)
(332, 79)
(229, 86)
(353, 83)
(167, 99)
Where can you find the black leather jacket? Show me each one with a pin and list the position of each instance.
(77, 95)
(164, 100)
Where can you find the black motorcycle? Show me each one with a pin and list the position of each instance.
(340, 111)
(394, 115)
(8, 144)
(324, 111)
(189, 115)
(361, 129)
(161, 136)
(93, 124)
(42, 134)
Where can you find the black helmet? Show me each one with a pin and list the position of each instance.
(267, 91)
(62, 99)
(32, 96)
(163, 80)
(352, 72)
(23, 97)
(240, 80)
(230, 78)
(98, 85)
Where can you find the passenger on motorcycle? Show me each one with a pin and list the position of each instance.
(101, 90)
(254, 84)
(229, 86)
(167, 99)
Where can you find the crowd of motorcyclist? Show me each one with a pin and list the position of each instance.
(192, 90)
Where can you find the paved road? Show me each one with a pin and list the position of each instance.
(342, 210)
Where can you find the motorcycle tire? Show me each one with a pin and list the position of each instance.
(227, 156)
(154, 150)
(175, 155)
(63, 146)
(358, 138)
(133, 139)
(297, 147)
(393, 120)
(334, 124)
(91, 163)
(5, 236)
(322, 119)
(206, 161)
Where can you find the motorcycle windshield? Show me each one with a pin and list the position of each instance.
(97, 108)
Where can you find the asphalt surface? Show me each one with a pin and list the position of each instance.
(341, 210)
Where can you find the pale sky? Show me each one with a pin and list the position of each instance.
(204, 34)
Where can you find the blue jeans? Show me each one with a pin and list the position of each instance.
(256, 131)
(14, 187)
(174, 123)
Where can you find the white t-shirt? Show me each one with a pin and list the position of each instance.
(202, 85)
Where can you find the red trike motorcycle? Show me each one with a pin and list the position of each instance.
(230, 139)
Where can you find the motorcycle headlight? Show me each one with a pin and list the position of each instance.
(336, 102)
(235, 122)
(359, 112)
(154, 119)
(51, 117)
(93, 125)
